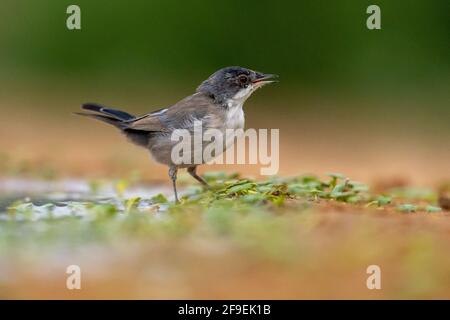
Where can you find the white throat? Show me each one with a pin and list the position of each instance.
(244, 94)
(235, 113)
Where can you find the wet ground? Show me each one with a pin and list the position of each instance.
(130, 243)
(66, 197)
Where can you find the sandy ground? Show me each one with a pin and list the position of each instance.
(330, 263)
(323, 254)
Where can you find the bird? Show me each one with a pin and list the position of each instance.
(217, 104)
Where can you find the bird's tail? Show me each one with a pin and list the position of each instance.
(114, 117)
(118, 119)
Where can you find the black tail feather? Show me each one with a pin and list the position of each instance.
(118, 114)
(113, 121)
(136, 136)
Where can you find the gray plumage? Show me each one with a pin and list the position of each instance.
(217, 104)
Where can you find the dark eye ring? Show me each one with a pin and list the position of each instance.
(243, 79)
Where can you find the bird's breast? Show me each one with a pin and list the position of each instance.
(235, 118)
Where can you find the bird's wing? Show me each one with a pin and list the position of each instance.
(149, 122)
(197, 107)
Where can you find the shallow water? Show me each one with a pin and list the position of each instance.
(38, 199)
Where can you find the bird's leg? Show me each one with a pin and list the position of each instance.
(193, 172)
(173, 176)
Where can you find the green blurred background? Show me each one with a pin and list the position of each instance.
(368, 102)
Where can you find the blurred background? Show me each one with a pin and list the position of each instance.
(373, 104)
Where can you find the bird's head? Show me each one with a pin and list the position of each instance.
(234, 83)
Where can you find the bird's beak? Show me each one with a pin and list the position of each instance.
(262, 79)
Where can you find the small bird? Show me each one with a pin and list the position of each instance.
(216, 104)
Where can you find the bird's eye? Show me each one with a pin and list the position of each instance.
(243, 79)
